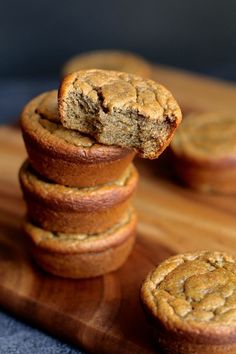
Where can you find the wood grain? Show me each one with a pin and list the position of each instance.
(104, 315)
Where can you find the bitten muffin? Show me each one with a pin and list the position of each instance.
(64, 156)
(81, 255)
(108, 60)
(76, 210)
(119, 109)
(191, 302)
(203, 152)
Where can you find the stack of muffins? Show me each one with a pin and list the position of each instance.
(79, 179)
(80, 222)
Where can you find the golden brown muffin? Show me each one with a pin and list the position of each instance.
(76, 210)
(64, 156)
(109, 60)
(203, 152)
(191, 301)
(119, 109)
(81, 255)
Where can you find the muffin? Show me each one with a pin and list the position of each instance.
(81, 255)
(203, 152)
(65, 209)
(64, 156)
(110, 60)
(119, 109)
(191, 302)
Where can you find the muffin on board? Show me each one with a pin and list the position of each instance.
(82, 255)
(79, 178)
(109, 60)
(203, 152)
(190, 301)
(65, 209)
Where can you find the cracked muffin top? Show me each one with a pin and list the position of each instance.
(206, 137)
(119, 109)
(47, 106)
(40, 122)
(195, 294)
(108, 60)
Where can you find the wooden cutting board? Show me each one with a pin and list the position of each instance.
(104, 315)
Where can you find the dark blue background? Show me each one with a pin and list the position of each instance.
(36, 37)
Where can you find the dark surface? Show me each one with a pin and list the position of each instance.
(36, 37)
(18, 338)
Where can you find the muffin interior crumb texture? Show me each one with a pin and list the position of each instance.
(198, 287)
(120, 109)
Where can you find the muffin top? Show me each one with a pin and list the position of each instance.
(118, 91)
(40, 122)
(47, 106)
(194, 293)
(206, 137)
(79, 243)
(109, 60)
